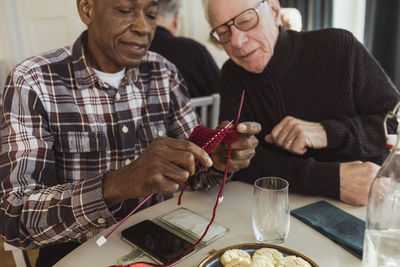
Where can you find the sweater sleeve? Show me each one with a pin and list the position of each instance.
(374, 95)
(305, 175)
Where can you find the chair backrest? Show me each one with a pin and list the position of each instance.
(208, 109)
(20, 256)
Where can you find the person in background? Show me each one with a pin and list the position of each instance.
(192, 59)
(319, 96)
(89, 131)
(291, 19)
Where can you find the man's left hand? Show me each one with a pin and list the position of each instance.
(296, 135)
(242, 151)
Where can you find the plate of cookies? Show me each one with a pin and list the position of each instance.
(257, 255)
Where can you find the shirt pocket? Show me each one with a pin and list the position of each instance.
(81, 142)
(81, 155)
(147, 132)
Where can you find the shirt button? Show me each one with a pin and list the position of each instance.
(101, 220)
(160, 133)
(117, 96)
(125, 129)
(127, 162)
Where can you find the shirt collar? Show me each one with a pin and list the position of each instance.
(84, 74)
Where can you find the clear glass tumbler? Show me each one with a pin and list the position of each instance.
(271, 210)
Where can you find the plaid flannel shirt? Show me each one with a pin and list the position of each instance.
(63, 129)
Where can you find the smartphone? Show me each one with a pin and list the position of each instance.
(156, 241)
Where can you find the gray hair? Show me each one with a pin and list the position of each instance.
(167, 9)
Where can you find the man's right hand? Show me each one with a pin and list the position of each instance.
(355, 181)
(160, 168)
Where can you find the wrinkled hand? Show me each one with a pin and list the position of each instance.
(296, 135)
(165, 164)
(242, 151)
(355, 181)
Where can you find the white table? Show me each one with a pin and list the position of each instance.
(235, 213)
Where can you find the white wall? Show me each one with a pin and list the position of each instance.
(347, 14)
(196, 26)
(350, 15)
(6, 56)
(29, 27)
(3, 38)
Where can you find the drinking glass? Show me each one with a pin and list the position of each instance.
(271, 211)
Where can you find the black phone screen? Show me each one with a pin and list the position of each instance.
(156, 241)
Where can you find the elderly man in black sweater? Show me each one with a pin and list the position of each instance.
(319, 95)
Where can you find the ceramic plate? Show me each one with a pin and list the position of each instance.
(214, 259)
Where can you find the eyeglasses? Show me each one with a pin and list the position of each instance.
(245, 21)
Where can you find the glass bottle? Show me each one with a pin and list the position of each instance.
(382, 234)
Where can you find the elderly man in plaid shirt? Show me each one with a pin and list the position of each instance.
(88, 131)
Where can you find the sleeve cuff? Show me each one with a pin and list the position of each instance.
(328, 178)
(88, 205)
(335, 132)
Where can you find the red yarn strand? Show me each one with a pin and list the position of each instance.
(209, 145)
(221, 190)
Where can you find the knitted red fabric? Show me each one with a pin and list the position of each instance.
(209, 139)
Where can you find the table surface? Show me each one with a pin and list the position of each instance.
(235, 213)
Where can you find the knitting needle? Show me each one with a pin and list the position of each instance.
(103, 239)
(218, 133)
(240, 107)
(221, 198)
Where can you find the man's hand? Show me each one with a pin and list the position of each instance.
(160, 168)
(296, 135)
(355, 181)
(242, 151)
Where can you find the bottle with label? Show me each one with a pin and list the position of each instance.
(382, 234)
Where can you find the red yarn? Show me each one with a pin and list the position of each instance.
(221, 190)
(208, 139)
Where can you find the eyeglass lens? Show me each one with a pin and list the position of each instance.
(244, 21)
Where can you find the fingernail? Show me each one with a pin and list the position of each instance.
(242, 127)
(210, 162)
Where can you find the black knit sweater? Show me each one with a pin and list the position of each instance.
(323, 76)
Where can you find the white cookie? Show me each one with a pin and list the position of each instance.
(239, 263)
(261, 261)
(271, 253)
(234, 257)
(293, 261)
